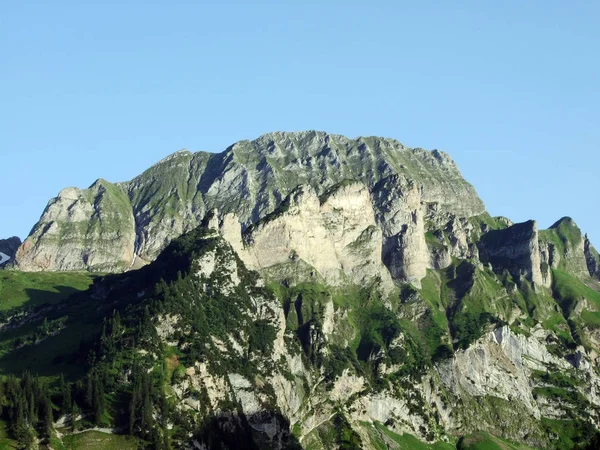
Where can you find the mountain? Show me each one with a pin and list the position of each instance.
(113, 227)
(300, 291)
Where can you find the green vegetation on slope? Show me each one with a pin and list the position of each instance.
(32, 289)
(405, 441)
(485, 441)
(96, 440)
(580, 303)
(569, 434)
(45, 321)
(462, 301)
(481, 221)
(6, 443)
(570, 290)
(563, 238)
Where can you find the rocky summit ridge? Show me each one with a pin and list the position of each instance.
(306, 290)
(113, 227)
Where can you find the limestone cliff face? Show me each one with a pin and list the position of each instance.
(400, 215)
(507, 366)
(9, 248)
(564, 247)
(515, 249)
(82, 229)
(250, 179)
(592, 259)
(336, 235)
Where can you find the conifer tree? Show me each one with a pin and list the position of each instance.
(98, 403)
(74, 415)
(65, 394)
(89, 391)
(45, 413)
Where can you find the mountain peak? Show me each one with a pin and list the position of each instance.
(249, 179)
(565, 221)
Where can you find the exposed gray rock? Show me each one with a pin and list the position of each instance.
(515, 249)
(592, 259)
(82, 229)
(495, 384)
(400, 215)
(565, 244)
(337, 235)
(249, 179)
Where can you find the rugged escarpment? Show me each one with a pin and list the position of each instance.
(515, 249)
(334, 236)
(249, 179)
(592, 259)
(92, 228)
(565, 246)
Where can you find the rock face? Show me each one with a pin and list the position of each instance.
(9, 248)
(592, 259)
(249, 179)
(337, 235)
(90, 229)
(565, 246)
(515, 249)
(400, 214)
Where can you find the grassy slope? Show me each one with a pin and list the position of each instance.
(37, 288)
(49, 357)
(407, 441)
(570, 289)
(485, 441)
(95, 440)
(383, 438)
(563, 234)
(572, 293)
(566, 239)
(460, 299)
(20, 290)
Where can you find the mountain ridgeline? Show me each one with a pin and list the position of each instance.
(302, 290)
(110, 227)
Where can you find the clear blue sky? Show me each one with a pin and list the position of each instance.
(509, 89)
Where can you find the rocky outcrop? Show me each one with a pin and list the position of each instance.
(335, 234)
(499, 365)
(400, 215)
(592, 259)
(249, 179)
(515, 249)
(91, 229)
(167, 200)
(8, 247)
(449, 236)
(563, 243)
(254, 359)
